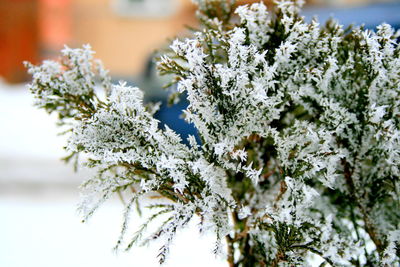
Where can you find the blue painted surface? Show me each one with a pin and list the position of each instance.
(171, 116)
(370, 15)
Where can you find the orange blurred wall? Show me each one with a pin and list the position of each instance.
(19, 38)
(55, 25)
(124, 43)
(34, 30)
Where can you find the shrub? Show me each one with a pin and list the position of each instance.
(299, 144)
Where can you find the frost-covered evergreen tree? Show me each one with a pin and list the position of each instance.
(299, 137)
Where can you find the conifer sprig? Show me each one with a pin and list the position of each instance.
(300, 137)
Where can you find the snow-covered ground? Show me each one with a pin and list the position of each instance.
(48, 233)
(38, 196)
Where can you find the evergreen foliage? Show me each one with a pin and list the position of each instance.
(299, 128)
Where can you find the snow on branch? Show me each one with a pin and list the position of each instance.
(299, 137)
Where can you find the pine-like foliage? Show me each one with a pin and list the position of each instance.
(299, 137)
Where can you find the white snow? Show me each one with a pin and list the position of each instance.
(25, 130)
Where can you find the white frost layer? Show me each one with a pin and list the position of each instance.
(26, 131)
(47, 234)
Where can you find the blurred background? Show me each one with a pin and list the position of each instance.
(38, 193)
